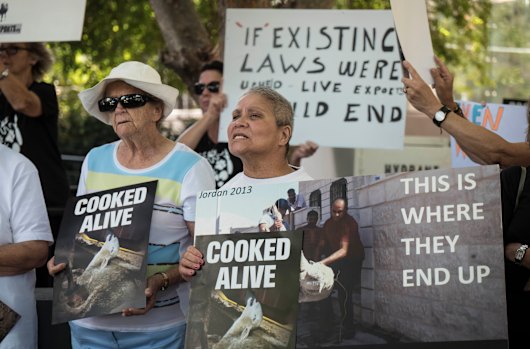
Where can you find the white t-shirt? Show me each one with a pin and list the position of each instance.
(241, 179)
(23, 217)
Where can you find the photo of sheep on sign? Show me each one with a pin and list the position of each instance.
(246, 294)
(103, 241)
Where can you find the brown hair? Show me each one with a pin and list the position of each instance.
(282, 109)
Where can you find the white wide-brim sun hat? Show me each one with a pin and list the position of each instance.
(136, 74)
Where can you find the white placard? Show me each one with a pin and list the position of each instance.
(340, 69)
(40, 21)
(412, 25)
(508, 121)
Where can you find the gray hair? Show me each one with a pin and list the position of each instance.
(44, 59)
(282, 109)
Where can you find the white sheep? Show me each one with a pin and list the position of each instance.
(249, 320)
(316, 280)
(109, 250)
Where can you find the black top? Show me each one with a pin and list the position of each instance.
(224, 164)
(515, 225)
(36, 138)
(516, 229)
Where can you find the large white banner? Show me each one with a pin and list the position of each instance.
(340, 69)
(41, 20)
(508, 121)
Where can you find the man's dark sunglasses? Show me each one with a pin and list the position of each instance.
(12, 50)
(134, 100)
(213, 87)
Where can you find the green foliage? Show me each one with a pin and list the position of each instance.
(209, 14)
(361, 4)
(460, 36)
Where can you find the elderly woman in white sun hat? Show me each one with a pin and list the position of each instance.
(133, 100)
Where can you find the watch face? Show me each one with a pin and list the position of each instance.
(439, 116)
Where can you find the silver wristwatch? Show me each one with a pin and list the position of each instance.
(519, 254)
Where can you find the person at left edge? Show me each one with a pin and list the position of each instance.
(24, 238)
(29, 115)
(134, 101)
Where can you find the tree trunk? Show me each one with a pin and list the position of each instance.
(188, 45)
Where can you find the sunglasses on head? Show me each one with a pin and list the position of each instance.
(12, 50)
(213, 87)
(134, 100)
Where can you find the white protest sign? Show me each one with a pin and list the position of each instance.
(39, 21)
(340, 69)
(508, 121)
(412, 26)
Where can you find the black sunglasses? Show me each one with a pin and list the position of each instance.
(12, 50)
(213, 87)
(134, 100)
